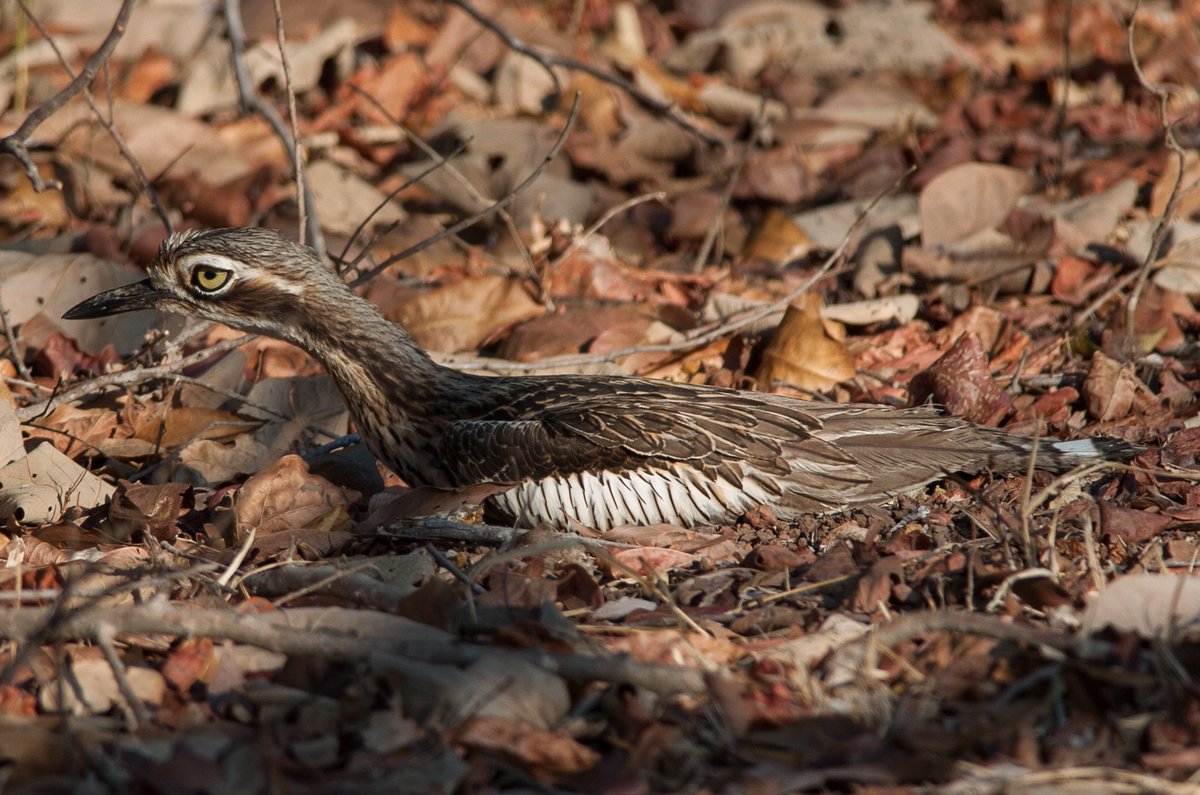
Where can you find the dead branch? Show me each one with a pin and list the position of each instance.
(696, 339)
(307, 632)
(862, 653)
(16, 144)
(298, 154)
(286, 583)
(548, 61)
(252, 101)
(125, 378)
(439, 162)
(496, 206)
(1161, 225)
(438, 529)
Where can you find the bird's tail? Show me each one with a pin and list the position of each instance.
(1054, 454)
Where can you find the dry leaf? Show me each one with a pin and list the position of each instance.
(968, 199)
(185, 424)
(778, 239)
(1179, 270)
(807, 352)
(1110, 388)
(1152, 606)
(286, 497)
(461, 316)
(961, 381)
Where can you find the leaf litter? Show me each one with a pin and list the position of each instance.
(217, 587)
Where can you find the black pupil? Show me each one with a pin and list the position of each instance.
(210, 276)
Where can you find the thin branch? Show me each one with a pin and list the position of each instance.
(15, 144)
(548, 61)
(297, 147)
(1161, 225)
(735, 173)
(457, 175)
(14, 351)
(108, 123)
(271, 631)
(253, 102)
(138, 716)
(127, 378)
(696, 339)
(496, 206)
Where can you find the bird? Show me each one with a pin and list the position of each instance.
(599, 450)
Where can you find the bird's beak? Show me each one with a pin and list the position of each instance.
(131, 297)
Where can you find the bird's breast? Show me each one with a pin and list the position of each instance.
(602, 500)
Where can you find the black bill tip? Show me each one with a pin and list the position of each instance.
(130, 298)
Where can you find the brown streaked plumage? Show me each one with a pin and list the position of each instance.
(600, 450)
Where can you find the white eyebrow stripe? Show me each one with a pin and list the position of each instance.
(240, 271)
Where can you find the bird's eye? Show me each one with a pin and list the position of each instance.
(209, 279)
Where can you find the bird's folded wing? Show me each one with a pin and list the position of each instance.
(599, 432)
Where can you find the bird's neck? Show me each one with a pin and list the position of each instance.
(397, 394)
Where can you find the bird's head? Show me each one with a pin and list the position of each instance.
(250, 279)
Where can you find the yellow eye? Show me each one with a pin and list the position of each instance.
(209, 279)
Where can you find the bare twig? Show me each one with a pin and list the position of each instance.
(1061, 121)
(1161, 225)
(735, 173)
(699, 338)
(14, 351)
(549, 60)
(438, 529)
(127, 378)
(454, 570)
(271, 631)
(16, 144)
(609, 214)
(253, 102)
(108, 123)
(297, 146)
(862, 652)
(496, 206)
(440, 162)
(138, 716)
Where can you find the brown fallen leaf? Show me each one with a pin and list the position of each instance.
(1130, 525)
(172, 427)
(190, 662)
(461, 316)
(1110, 387)
(395, 505)
(143, 508)
(286, 496)
(778, 239)
(960, 381)
(544, 751)
(647, 560)
(968, 199)
(807, 351)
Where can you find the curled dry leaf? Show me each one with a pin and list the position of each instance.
(11, 446)
(544, 751)
(93, 689)
(286, 496)
(807, 352)
(1110, 388)
(778, 239)
(47, 468)
(142, 508)
(1179, 270)
(960, 381)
